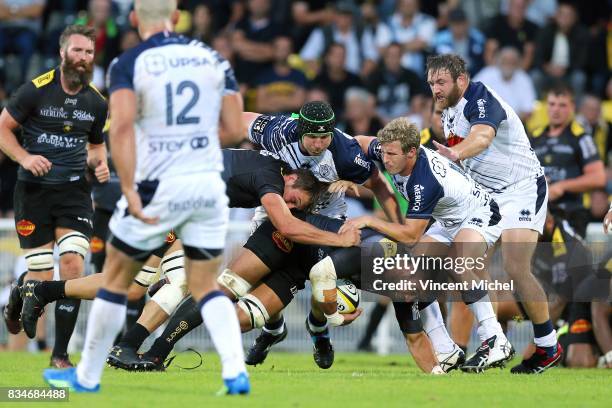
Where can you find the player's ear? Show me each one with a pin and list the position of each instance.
(133, 19)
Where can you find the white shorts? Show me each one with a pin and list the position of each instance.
(480, 221)
(524, 204)
(194, 206)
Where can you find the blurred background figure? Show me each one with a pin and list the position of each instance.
(360, 113)
(510, 81)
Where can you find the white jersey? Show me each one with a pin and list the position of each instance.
(179, 85)
(509, 159)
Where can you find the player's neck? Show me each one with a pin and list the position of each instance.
(147, 32)
(409, 167)
(556, 130)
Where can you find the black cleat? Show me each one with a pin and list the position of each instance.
(322, 350)
(262, 345)
(538, 362)
(151, 363)
(12, 311)
(33, 307)
(126, 358)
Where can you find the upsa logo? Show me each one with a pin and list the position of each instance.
(25, 228)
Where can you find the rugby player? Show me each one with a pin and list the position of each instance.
(62, 117)
(488, 138)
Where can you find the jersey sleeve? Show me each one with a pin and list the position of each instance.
(269, 180)
(375, 151)
(120, 74)
(272, 133)
(587, 150)
(486, 110)
(22, 102)
(423, 196)
(353, 165)
(231, 84)
(97, 130)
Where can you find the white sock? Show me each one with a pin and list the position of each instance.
(488, 326)
(433, 324)
(278, 327)
(105, 320)
(314, 328)
(222, 323)
(550, 340)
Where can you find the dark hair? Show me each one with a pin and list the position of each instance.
(453, 63)
(561, 88)
(316, 117)
(71, 30)
(308, 182)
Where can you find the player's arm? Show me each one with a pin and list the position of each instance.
(97, 161)
(593, 177)
(600, 313)
(299, 231)
(231, 129)
(36, 164)
(385, 196)
(407, 233)
(480, 138)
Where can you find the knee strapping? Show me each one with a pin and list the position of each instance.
(255, 310)
(323, 280)
(234, 283)
(39, 260)
(73, 242)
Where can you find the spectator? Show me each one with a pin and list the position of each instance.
(361, 54)
(252, 41)
(393, 85)
(562, 51)
(108, 39)
(20, 25)
(413, 30)
(569, 156)
(129, 39)
(360, 115)
(592, 119)
(307, 15)
(538, 12)
(201, 24)
(506, 77)
(8, 178)
(317, 93)
(461, 39)
(479, 12)
(335, 78)
(514, 30)
(281, 89)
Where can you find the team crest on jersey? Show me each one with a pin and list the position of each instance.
(155, 64)
(25, 228)
(325, 170)
(67, 126)
(438, 167)
(282, 242)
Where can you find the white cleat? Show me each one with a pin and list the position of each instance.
(452, 360)
(494, 352)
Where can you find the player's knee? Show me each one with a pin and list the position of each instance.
(173, 268)
(39, 260)
(169, 297)
(136, 292)
(244, 320)
(73, 243)
(255, 311)
(234, 284)
(323, 279)
(71, 266)
(147, 276)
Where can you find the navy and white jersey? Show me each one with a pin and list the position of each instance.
(343, 160)
(179, 84)
(510, 158)
(438, 188)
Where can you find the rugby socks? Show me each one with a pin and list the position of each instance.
(134, 337)
(51, 290)
(66, 314)
(106, 319)
(488, 326)
(134, 309)
(275, 328)
(317, 327)
(220, 318)
(433, 324)
(545, 336)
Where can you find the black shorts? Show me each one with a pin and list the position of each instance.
(41, 208)
(286, 282)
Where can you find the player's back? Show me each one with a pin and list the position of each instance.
(179, 84)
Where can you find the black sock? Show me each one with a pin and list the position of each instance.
(134, 309)
(41, 344)
(186, 318)
(21, 278)
(464, 348)
(375, 317)
(52, 290)
(134, 336)
(66, 313)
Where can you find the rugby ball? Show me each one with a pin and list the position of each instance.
(347, 296)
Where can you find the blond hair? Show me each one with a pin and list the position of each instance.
(154, 11)
(402, 130)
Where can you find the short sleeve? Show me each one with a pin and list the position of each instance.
(353, 165)
(587, 151)
(269, 132)
(97, 131)
(231, 84)
(22, 102)
(486, 110)
(375, 151)
(269, 180)
(424, 197)
(120, 74)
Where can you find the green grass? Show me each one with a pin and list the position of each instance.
(355, 380)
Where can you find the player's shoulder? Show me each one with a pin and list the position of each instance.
(44, 79)
(479, 95)
(539, 131)
(576, 129)
(98, 97)
(425, 136)
(347, 151)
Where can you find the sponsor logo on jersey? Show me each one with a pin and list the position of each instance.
(86, 221)
(25, 228)
(193, 204)
(482, 113)
(82, 115)
(59, 141)
(281, 242)
(96, 245)
(70, 101)
(418, 195)
(190, 61)
(43, 79)
(54, 112)
(525, 215)
(580, 326)
(361, 162)
(260, 124)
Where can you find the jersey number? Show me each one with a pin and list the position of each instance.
(182, 118)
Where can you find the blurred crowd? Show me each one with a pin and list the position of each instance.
(366, 57)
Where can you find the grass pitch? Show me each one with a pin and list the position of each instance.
(355, 380)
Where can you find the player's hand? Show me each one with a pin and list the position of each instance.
(102, 172)
(341, 186)
(135, 207)
(606, 221)
(446, 152)
(350, 237)
(356, 223)
(36, 164)
(351, 317)
(555, 191)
